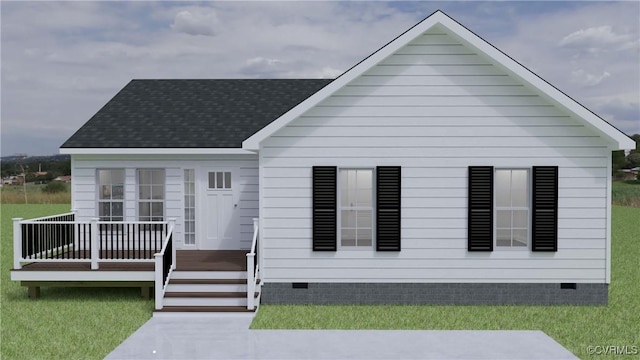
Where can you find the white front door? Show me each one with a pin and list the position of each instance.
(219, 215)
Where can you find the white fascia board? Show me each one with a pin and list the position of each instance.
(155, 151)
(618, 139)
(35, 275)
(253, 142)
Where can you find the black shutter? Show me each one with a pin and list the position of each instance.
(324, 208)
(388, 208)
(480, 209)
(545, 208)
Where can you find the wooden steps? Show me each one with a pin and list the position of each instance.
(238, 309)
(206, 291)
(208, 294)
(207, 281)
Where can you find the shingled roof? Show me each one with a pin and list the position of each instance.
(218, 113)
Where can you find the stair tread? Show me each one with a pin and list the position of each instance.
(208, 294)
(205, 309)
(207, 281)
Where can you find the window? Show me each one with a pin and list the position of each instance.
(110, 194)
(189, 207)
(349, 193)
(356, 207)
(512, 207)
(150, 195)
(220, 180)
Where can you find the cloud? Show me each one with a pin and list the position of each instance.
(583, 78)
(70, 58)
(328, 72)
(195, 23)
(595, 38)
(264, 67)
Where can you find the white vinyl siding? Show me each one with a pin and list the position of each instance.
(409, 112)
(84, 185)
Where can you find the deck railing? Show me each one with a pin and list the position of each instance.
(165, 264)
(63, 238)
(253, 267)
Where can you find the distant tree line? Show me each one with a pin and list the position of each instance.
(620, 161)
(54, 166)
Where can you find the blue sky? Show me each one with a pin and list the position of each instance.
(62, 61)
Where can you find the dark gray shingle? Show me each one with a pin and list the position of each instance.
(218, 113)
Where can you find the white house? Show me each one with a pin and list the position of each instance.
(437, 170)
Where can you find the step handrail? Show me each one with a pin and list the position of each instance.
(165, 263)
(252, 267)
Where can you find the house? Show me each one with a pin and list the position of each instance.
(65, 179)
(438, 170)
(628, 174)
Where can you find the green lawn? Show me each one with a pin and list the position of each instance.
(575, 327)
(626, 193)
(66, 323)
(88, 323)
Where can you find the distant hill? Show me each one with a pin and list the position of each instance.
(31, 159)
(54, 165)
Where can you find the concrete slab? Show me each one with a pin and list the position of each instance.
(189, 337)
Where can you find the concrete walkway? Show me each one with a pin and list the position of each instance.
(198, 337)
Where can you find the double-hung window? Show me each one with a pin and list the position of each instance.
(110, 194)
(344, 208)
(512, 208)
(150, 194)
(507, 209)
(356, 207)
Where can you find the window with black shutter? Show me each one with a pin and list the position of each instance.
(388, 208)
(545, 209)
(324, 208)
(480, 209)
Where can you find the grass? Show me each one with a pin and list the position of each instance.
(88, 323)
(15, 195)
(626, 193)
(65, 323)
(575, 327)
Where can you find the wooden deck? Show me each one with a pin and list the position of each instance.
(187, 260)
(212, 260)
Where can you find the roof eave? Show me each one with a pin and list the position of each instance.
(155, 151)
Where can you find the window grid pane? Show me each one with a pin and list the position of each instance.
(110, 194)
(512, 212)
(151, 194)
(190, 206)
(356, 200)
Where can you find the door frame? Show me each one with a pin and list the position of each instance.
(202, 190)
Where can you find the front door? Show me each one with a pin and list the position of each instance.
(218, 219)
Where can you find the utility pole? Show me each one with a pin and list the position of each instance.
(24, 183)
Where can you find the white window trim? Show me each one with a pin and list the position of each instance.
(98, 189)
(164, 193)
(496, 208)
(339, 211)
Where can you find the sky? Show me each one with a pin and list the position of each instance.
(62, 61)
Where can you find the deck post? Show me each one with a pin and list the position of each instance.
(95, 250)
(251, 284)
(17, 243)
(158, 281)
(172, 224)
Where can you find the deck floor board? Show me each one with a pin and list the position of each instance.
(187, 260)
